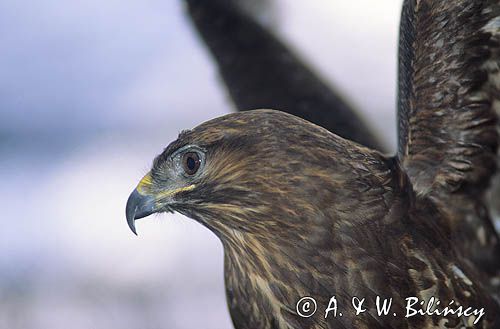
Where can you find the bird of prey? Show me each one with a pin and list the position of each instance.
(302, 211)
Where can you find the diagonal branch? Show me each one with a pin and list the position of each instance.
(261, 72)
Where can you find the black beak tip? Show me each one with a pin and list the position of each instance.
(131, 210)
(131, 224)
(138, 206)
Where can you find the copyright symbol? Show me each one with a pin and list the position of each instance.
(306, 307)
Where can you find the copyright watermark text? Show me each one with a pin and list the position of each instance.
(307, 307)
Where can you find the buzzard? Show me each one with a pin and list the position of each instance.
(302, 212)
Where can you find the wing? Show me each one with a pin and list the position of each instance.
(449, 89)
(261, 72)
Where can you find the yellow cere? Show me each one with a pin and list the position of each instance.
(145, 182)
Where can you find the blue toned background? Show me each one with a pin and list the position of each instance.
(90, 92)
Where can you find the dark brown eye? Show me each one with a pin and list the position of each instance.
(191, 162)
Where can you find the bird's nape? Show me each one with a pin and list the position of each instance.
(303, 212)
(250, 163)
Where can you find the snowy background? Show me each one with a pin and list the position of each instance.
(90, 92)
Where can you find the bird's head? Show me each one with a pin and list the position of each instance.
(254, 171)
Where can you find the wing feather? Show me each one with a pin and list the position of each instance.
(449, 93)
(448, 116)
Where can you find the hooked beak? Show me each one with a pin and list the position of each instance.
(138, 206)
(141, 202)
(146, 200)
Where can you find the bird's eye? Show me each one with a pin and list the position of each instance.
(191, 162)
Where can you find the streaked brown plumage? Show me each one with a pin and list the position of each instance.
(303, 212)
(449, 84)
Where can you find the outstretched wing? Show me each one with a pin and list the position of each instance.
(261, 72)
(449, 81)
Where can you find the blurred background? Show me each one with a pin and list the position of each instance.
(90, 92)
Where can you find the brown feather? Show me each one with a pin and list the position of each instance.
(449, 90)
(303, 212)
